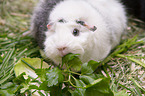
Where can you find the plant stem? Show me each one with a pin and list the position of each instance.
(72, 72)
(73, 84)
(28, 65)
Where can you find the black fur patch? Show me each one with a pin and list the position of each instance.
(135, 7)
(40, 20)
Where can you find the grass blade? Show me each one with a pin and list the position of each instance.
(131, 59)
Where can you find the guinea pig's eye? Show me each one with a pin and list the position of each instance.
(76, 32)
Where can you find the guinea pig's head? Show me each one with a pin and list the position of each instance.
(63, 37)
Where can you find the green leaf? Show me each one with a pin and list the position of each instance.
(87, 79)
(121, 93)
(20, 79)
(43, 86)
(79, 91)
(54, 77)
(56, 90)
(72, 61)
(65, 92)
(69, 57)
(21, 66)
(90, 81)
(90, 67)
(100, 89)
(75, 64)
(41, 73)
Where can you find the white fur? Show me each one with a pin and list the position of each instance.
(107, 15)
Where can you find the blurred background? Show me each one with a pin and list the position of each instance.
(15, 15)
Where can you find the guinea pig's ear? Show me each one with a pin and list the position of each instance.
(49, 26)
(94, 28)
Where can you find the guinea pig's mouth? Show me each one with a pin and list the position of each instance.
(71, 54)
(63, 54)
(67, 54)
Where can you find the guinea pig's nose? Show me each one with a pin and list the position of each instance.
(62, 51)
(61, 48)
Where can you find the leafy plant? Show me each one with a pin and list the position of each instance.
(37, 75)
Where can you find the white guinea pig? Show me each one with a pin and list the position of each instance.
(90, 28)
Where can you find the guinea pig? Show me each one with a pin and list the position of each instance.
(91, 28)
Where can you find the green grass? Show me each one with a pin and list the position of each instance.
(14, 21)
(125, 65)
